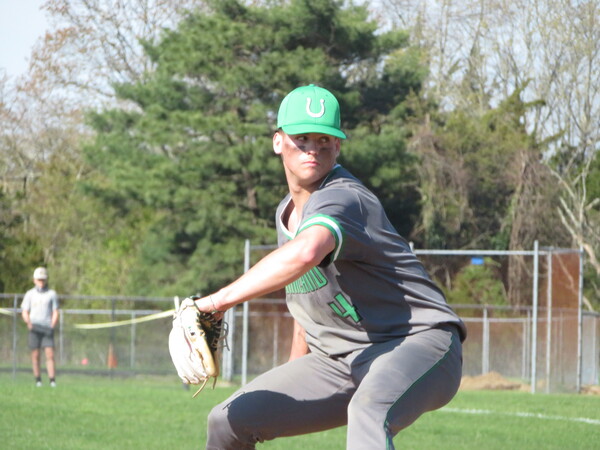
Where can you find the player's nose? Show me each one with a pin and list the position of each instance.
(311, 145)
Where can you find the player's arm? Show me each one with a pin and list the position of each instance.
(54, 319)
(26, 317)
(299, 346)
(276, 270)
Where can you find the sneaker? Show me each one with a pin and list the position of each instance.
(38, 384)
(53, 384)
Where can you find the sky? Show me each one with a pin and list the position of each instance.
(21, 24)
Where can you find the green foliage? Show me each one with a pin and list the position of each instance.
(471, 175)
(19, 255)
(593, 181)
(195, 156)
(20, 252)
(478, 284)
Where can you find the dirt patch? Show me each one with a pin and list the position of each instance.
(590, 390)
(495, 381)
(491, 381)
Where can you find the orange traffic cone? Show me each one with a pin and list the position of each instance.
(112, 357)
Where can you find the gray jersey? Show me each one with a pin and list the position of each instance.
(371, 288)
(40, 305)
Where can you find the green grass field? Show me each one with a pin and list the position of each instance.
(86, 412)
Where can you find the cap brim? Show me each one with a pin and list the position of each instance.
(313, 128)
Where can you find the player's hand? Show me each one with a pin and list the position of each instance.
(207, 305)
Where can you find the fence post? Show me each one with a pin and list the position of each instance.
(14, 343)
(275, 340)
(534, 303)
(549, 320)
(228, 349)
(525, 353)
(580, 323)
(61, 353)
(132, 342)
(245, 318)
(485, 353)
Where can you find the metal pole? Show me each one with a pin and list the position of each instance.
(14, 343)
(525, 352)
(275, 340)
(228, 349)
(534, 302)
(549, 321)
(61, 336)
(485, 353)
(132, 342)
(111, 346)
(245, 318)
(580, 323)
(596, 373)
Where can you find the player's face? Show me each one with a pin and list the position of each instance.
(307, 158)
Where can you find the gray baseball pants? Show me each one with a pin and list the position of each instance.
(376, 391)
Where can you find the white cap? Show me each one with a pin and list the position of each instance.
(40, 273)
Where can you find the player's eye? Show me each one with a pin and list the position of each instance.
(300, 140)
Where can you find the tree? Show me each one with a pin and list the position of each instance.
(480, 52)
(88, 46)
(483, 186)
(196, 150)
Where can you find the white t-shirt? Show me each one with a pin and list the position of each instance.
(40, 304)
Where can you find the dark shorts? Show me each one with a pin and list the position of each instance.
(41, 336)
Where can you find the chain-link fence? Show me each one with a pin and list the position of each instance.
(130, 347)
(553, 346)
(500, 340)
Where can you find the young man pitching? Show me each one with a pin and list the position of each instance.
(375, 344)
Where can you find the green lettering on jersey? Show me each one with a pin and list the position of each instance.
(309, 282)
(346, 310)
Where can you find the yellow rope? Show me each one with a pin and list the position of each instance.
(118, 323)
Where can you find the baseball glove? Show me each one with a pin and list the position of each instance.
(193, 343)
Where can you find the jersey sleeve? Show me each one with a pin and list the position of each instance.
(340, 211)
(334, 227)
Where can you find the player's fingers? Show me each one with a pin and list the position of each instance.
(218, 315)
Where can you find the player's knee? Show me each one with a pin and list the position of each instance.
(224, 431)
(361, 407)
(217, 418)
(220, 425)
(362, 399)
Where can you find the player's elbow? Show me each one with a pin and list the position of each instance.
(308, 256)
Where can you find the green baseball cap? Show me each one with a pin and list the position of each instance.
(310, 109)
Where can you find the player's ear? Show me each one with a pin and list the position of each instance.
(278, 142)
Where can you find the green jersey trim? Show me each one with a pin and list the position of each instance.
(332, 225)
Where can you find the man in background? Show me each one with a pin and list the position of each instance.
(40, 314)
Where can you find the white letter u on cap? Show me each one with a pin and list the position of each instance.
(312, 114)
